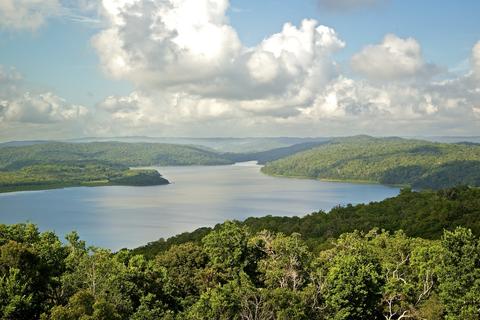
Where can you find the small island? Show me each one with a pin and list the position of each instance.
(79, 174)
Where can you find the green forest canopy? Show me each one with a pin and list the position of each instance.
(120, 153)
(417, 163)
(234, 273)
(55, 165)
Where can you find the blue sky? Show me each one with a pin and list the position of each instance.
(58, 56)
(446, 29)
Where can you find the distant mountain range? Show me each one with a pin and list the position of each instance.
(231, 144)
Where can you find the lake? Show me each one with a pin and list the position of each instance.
(118, 217)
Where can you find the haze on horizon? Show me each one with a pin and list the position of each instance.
(222, 68)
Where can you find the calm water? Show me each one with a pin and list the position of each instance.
(117, 217)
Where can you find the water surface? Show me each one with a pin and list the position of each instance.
(117, 217)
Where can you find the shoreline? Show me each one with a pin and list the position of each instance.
(351, 181)
(66, 186)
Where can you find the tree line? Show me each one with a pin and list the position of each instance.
(234, 273)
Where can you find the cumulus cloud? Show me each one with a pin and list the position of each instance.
(191, 83)
(193, 76)
(40, 108)
(393, 58)
(165, 113)
(360, 99)
(342, 5)
(27, 14)
(344, 106)
(21, 107)
(188, 63)
(166, 42)
(348, 106)
(189, 46)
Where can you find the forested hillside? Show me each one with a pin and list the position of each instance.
(57, 165)
(235, 273)
(128, 154)
(416, 163)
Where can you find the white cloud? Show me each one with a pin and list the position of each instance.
(287, 84)
(27, 14)
(40, 108)
(348, 98)
(263, 66)
(21, 107)
(393, 58)
(193, 76)
(166, 42)
(350, 107)
(189, 46)
(298, 50)
(345, 106)
(165, 113)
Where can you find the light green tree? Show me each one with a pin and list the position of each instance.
(459, 275)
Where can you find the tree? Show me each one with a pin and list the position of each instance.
(286, 260)
(353, 287)
(408, 268)
(459, 274)
(183, 265)
(351, 279)
(220, 303)
(16, 302)
(152, 309)
(227, 252)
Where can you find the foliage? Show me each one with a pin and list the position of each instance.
(120, 153)
(459, 275)
(47, 176)
(234, 273)
(396, 161)
(56, 165)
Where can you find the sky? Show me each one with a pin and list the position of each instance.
(208, 68)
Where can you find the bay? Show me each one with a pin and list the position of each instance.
(116, 217)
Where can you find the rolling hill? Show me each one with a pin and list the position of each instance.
(57, 165)
(121, 153)
(397, 161)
